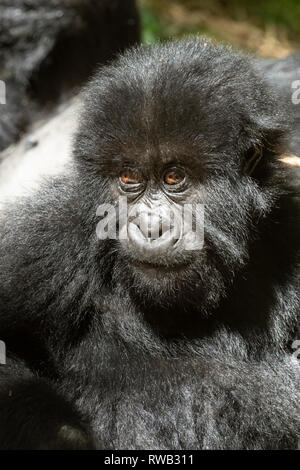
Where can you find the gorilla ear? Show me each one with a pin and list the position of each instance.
(251, 159)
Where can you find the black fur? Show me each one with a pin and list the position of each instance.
(198, 359)
(283, 74)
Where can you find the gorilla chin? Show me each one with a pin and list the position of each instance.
(184, 282)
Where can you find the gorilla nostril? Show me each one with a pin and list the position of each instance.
(144, 224)
(160, 232)
(135, 235)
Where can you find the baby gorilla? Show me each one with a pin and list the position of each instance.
(122, 337)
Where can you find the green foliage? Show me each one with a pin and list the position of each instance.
(152, 28)
(283, 14)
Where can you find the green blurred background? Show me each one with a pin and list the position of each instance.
(270, 28)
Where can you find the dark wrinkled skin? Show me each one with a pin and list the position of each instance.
(105, 352)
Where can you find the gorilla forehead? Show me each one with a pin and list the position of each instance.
(188, 94)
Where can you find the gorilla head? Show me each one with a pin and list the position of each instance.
(175, 129)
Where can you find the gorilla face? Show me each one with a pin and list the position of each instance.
(188, 135)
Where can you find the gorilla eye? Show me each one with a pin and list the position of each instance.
(129, 176)
(174, 177)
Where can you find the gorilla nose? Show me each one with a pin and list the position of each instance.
(152, 226)
(152, 233)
